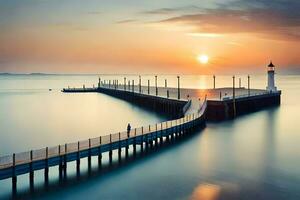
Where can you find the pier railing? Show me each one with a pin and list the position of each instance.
(249, 95)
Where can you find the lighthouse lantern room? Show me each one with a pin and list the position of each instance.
(271, 76)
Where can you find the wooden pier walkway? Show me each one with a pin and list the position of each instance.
(191, 104)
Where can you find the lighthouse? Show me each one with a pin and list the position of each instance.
(271, 75)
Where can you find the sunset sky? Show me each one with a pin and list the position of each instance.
(157, 36)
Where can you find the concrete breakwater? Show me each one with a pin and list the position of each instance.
(229, 109)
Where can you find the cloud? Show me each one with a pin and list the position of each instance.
(276, 19)
(126, 21)
(168, 11)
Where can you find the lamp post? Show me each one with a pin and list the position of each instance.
(133, 86)
(214, 81)
(178, 86)
(124, 83)
(240, 82)
(156, 89)
(148, 86)
(248, 85)
(166, 83)
(140, 84)
(233, 96)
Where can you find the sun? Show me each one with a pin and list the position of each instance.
(203, 59)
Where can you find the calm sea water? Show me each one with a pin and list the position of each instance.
(256, 156)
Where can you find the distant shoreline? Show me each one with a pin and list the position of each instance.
(53, 74)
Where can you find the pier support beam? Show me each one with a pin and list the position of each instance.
(110, 156)
(78, 159)
(110, 151)
(14, 176)
(99, 153)
(89, 157)
(120, 149)
(46, 172)
(31, 173)
(65, 163)
(134, 143)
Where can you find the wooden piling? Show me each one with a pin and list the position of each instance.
(78, 157)
(134, 143)
(31, 173)
(142, 140)
(14, 176)
(46, 172)
(90, 156)
(120, 149)
(65, 161)
(60, 162)
(99, 152)
(110, 150)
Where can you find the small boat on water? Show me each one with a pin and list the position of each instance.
(50, 89)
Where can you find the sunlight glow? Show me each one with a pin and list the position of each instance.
(203, 59)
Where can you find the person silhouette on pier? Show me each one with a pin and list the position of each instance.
(128, 129)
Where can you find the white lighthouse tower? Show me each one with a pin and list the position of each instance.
(271, 82)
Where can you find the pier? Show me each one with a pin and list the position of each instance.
(188, 109)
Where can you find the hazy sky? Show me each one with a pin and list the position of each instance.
(154, 36)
